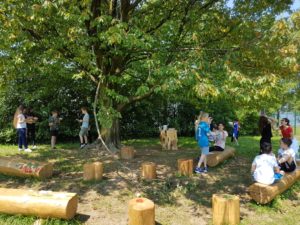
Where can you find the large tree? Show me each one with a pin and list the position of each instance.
(129, 49)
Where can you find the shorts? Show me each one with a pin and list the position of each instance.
(83, 131)
(204, 150)
(277, 176)
(54, 133)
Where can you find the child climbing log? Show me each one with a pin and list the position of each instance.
(44, 204)
(262, 193)
(23, 168)
(216, 157)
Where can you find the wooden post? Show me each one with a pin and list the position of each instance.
(149, 170)
(92, 171)
(185, 167)
(163, 139)
(25, 168)
(141, 212)
(226, 209)
(172, 139)
(44, 204)
(127, 152)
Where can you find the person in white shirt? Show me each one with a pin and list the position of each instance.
(265, 169)
(20, 124)
(286, 156)
(220, 139)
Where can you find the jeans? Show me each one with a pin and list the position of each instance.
(22, 137)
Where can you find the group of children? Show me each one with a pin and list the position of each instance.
(204, 135)
(24, 121)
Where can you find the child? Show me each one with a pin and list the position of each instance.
(264, 165)
(203, 131)
(286, 156)
(235, 132)
(83, 134)
(20, 124)
(54, 122)
(31, 120)
(220, 139)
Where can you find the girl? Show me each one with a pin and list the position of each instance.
(203, 130)
(265, 128)
(286, 156)
(20, 124)
(54, 122)
(264, 165)
(235, 132)
(287, 132)
(220, 139)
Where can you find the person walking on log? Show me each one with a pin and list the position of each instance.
(203, 131)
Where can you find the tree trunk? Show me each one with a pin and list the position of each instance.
(111, 136)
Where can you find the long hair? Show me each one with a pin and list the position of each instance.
(263, 121)
(287, 121)
(19, 110)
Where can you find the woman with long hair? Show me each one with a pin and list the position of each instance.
(19, 123)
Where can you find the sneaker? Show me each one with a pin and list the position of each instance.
(21, 149)
(34, 147)
(82, 146)
(198, 170)
(28, 150)
(205, 170)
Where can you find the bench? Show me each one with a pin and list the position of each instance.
(262, 193)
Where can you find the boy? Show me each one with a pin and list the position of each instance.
(54, 122)
(83, 134)
(265, 169)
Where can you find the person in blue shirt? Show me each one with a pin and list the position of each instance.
(202, 133)
(235, 132)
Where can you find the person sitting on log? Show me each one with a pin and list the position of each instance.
(203, 131)
(265, 169)
(286, 156)
(220, 139)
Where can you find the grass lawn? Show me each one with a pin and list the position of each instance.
(179, 200)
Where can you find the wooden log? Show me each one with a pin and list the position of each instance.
(25, 168)
(44, 204)
(216, 157)
(298, 162)
(262, 193)
(226, 209)
(172, 139)
(149, 170)
(163, 139)
(141, 212)
(127, 152)
(92, 171)
(98, 170)
(185, 167)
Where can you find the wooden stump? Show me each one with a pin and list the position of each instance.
(127, 152)
(226, 209)
(25, 168)
(163, 139)
(262, 193)
(172, 139)
(185, 167)
(141, 212)
(44, 204)
(149, 170)
(298, 162)
(216, 157)
(92, 171)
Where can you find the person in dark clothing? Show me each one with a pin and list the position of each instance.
(265, 129)
(31, 121)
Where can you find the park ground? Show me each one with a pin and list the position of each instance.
(179, 200)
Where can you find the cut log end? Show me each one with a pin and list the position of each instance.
(141, 212)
